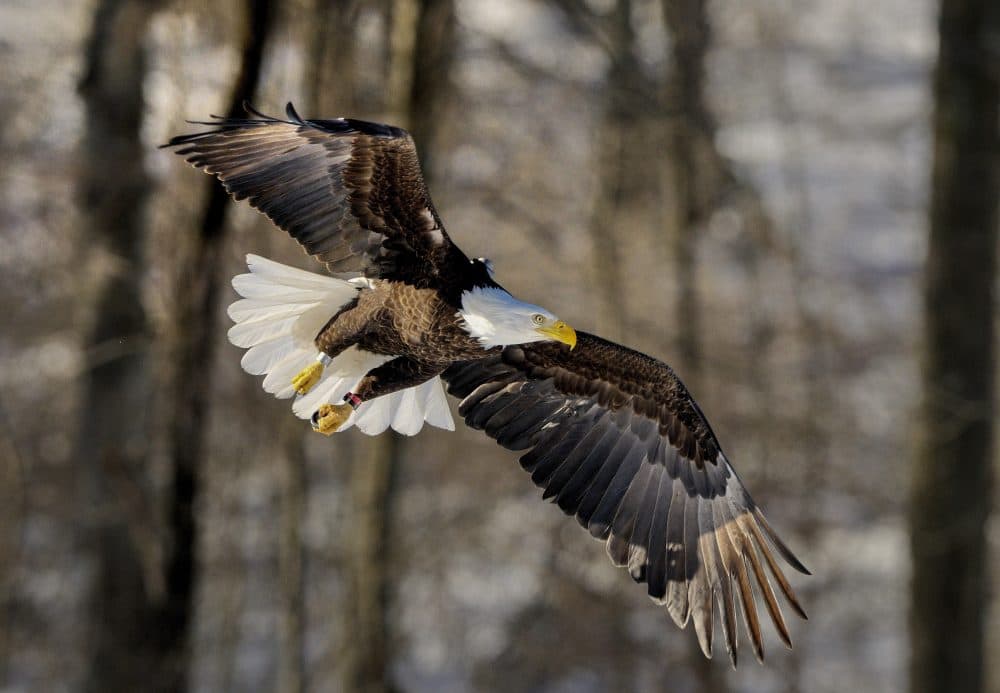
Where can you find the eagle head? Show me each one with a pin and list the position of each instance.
(496, 318)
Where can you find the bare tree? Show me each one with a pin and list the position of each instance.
(429, 88)
(953, 469)
(613, 161)
(690, 130)
(111, 445)
(331, 83)
(294, 489)
(419, 55)
(195, 336)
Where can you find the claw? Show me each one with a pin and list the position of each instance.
(330, 417)
(308, 377)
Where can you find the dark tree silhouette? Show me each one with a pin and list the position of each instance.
(690, 130)
(196, 333)
(419, 45)
(111, 445)
(953, 474)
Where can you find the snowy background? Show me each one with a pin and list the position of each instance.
(809, 334)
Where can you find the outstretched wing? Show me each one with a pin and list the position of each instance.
(614, 437)
(349, 191)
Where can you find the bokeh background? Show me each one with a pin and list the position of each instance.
(743, 189)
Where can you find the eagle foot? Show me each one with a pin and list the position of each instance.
(308, 377)
(330, 417)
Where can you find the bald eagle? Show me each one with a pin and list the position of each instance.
(610, 434)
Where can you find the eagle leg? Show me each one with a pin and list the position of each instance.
(341, 332)
(310, 375)
(400, 373)
(330, 417)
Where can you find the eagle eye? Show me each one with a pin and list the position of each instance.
(538, 318)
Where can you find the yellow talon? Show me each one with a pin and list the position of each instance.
(330, 417)
(308, 377)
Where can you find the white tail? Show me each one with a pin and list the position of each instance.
(281, 312)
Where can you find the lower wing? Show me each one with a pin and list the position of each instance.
(614, 437)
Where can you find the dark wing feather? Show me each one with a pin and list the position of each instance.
(614, 437)
(349, 191)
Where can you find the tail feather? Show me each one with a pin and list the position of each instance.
(247, 310)
(435, 405)
(372, 418)
(407, 416)
(282, 310)
(279, 379)
(255, 290)
(262, 357)
(285, 276)
(247, 334)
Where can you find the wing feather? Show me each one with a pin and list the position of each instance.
(656, 561)
(350, 192)
(726, 572)
(611, 497)
(595, 458)
(703, 581)
(620, 542)
(615, 438)
(763, 584)
(677, 588)
(566, 467)
(641, 539)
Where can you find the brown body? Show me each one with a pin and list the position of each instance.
(401, 320)
(417, 326)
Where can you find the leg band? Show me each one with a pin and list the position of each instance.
(353, 400)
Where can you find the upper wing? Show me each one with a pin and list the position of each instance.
(349, 191)
(615, 438)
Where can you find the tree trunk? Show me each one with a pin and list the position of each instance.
(420, 40)
(689, 130)
(294, 487)
(953, 470)
(430, 81)
(111, 447)
(331, 83)
(613, 162)
(196, 332)
(367, 654)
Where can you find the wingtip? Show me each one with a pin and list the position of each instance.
(778, 544)
(250, 110)
(794, 561)
(292, 113)
(705, 643)
(178, 140)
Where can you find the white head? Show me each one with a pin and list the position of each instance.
(496, 318)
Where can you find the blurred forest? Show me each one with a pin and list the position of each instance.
(793, 203)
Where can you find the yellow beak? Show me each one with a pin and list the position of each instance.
(560, 332)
